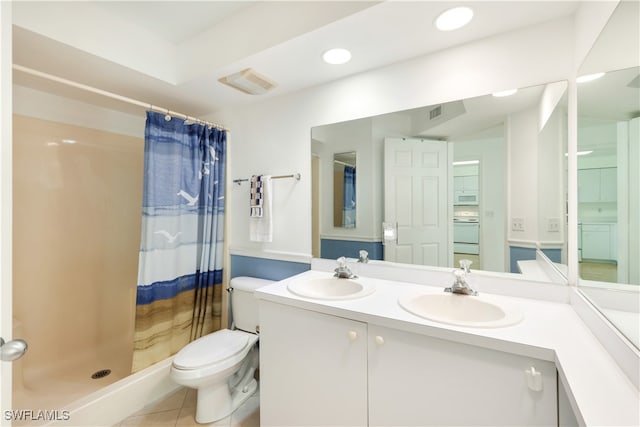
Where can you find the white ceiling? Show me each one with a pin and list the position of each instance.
(172, 53)
(174, 21)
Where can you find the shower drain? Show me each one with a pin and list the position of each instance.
(101, 374)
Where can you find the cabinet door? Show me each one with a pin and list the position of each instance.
(596, 241)
(313, 368)
(598, 185)
(588, 185)
(422, 381)
(608, 184)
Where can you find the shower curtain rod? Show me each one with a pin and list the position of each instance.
(115, 96)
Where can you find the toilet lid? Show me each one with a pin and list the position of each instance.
(210, 349)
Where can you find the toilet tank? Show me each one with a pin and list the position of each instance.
(244, 305)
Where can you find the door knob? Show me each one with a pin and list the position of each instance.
(12, 350)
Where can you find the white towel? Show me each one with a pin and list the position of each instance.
(261, 228)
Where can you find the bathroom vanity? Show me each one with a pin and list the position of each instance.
(331, 360)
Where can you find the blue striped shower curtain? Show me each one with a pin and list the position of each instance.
(179, 289)
(349, 198)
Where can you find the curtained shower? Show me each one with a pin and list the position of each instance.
(179, 293)
(349, 198)
(78, 193)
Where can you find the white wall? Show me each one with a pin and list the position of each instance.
(274, 136)
(366, 138)
(552, 180)
(634, 199)
(45, 106)
(522, 155)
(342, 138)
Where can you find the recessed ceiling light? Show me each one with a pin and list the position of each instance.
(589, 77)
(505, 93)
(455, 18)
(337, 56)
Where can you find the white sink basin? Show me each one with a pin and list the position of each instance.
(330, 288)
(461, 310)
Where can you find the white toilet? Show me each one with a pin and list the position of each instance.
(221, 365)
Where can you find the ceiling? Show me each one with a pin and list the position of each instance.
(172, 53)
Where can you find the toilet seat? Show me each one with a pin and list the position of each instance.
(212, 348)
(212, 367)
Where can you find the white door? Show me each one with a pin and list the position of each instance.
(416, 199)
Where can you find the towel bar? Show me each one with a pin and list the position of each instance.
(297, 176)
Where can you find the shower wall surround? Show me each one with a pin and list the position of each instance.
(76, 227)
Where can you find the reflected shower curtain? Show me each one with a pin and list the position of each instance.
(349, 198)
(179, 291)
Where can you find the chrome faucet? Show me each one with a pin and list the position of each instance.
(343, 271)
(364, 257)
(460, 285)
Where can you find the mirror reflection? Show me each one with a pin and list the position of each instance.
(344, 190)
(609, 172)
(482, 178)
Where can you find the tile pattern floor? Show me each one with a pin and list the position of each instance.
(599, 271)
(179, 408)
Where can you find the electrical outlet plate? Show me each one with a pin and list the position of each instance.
(517, 224)
(553, 225)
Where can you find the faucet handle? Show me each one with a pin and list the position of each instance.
(364, 256)
(465, 264)
(460, 276)
(342, 262)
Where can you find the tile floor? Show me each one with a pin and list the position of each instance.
(178, 410)
(599, 271)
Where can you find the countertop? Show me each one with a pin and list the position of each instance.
(598, 390)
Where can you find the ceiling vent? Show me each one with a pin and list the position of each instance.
(248, 81)
(436, 112)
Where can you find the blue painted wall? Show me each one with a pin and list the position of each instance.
(555, 255)
(263, 268)
(334, 249)
(517, 253)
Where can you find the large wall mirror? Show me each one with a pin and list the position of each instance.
(482, 178)
(609, 172)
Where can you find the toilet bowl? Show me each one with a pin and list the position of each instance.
(221, 365)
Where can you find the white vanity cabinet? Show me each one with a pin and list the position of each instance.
(416, 380)
(599, 241)
(313, 368)
(318, 369)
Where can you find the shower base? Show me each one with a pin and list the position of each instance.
(54, 387)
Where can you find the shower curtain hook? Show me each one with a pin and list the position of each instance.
(167, 116)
